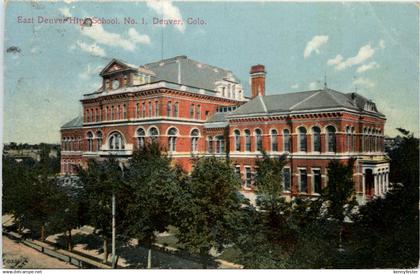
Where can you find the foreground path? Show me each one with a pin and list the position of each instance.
(17, 255)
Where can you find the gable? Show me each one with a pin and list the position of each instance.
(114, 66)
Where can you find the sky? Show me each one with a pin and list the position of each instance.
(370, 48)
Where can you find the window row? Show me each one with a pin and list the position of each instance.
(274, 144)
(147, 109)
(118, 112)
(307, 184)
(71, 144)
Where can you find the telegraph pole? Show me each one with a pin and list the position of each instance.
(113, 229)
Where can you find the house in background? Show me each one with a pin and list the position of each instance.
(197, 110)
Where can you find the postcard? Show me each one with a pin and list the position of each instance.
(223, 135)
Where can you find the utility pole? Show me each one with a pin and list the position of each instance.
(113, 229)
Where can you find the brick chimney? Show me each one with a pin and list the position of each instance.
(257, 74)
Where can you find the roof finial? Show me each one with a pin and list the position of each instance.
(325, 80)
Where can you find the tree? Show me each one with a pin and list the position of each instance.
(99, 182)
(340, 189)
(70, 205)
(385, 233)
(207, 216)
(264, 245)
(152, 187)
(30, 194)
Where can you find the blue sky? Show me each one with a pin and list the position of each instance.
(369, 46)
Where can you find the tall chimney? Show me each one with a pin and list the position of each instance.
(257, 74)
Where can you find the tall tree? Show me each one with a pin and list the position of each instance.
(385, 233)
(208, 215)
(99, 182)
(152, 188)
(340, 189)
(265, 236)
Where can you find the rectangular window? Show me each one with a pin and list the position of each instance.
(316, 177)
(207, 114)
(112, 113)
(238, 171)
(157, 108)
(125, 111)
(143, 109)
(286, 179)
(168, 108)
(248, 177)
(210, 145)
(97, 114)
(303, 181)
(198, 112)
(176, 109)
(150, 109)
(192, 111)
(137, 110)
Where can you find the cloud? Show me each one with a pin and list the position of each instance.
(90, 71)
(92, 49)
(335, 61)
(315, 44)
(295, 86)
(363, 82)
(313, 85)
(364, 54)
(382, 44)
(167, 10)
(65, 12)
(137, 37)
(101, 36)
(363, 68)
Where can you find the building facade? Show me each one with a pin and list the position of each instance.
(197, 110)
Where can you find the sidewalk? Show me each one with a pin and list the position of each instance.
(17, 255)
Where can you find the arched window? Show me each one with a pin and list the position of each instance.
(153, 133)
(71, 143)
(140, 138)
(172, 139)
(194, 140)
(90, 141)
(274, 143)
(302, 139)
(353, 139)
(220, 144)
(168, 109)
(348, 139)
(258, 139)
(98, 140)
(286, 140)
(210, 144)
(247, 140)
(112, 112)
(237, 140)
(316, 136)
(116, 141)
(331, 139)
(176, 107)
(150, 109)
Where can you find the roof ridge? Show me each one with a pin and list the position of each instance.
(263, 104)
(333, 96)
(304, 100)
